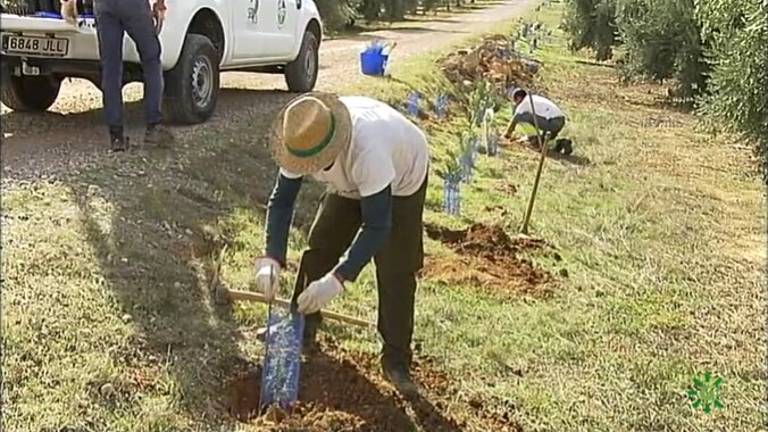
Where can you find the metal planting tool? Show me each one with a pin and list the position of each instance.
(282, 357)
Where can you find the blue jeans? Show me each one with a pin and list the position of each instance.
(114, 18)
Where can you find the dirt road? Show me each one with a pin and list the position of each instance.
(72, 134)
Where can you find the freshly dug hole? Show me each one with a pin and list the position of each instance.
(343, 391)
(244, 393)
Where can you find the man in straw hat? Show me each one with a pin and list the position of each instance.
(374, 163)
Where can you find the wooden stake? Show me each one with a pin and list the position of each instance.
(543, 147)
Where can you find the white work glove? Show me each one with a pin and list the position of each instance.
(267, 276)
(319, 293)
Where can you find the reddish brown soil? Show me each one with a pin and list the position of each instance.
(489, 258)
(343, 391)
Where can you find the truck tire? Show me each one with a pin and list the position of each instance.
(192, 87)
(29, 93)
(301, 74)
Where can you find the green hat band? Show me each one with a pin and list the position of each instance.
(319, 147)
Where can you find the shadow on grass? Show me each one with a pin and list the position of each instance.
(598, 64)
(375, 33)
(664, 104)
(441, 20)
(169, 220)
(571, 159)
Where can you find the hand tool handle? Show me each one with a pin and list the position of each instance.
(258, 297)
(543, 147)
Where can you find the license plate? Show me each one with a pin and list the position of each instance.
(35, 46)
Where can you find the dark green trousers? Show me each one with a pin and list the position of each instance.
(397, 262)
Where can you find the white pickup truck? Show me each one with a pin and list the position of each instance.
(199, 39)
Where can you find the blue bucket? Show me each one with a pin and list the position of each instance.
(373, 62)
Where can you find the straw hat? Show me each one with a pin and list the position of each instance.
(310, 131)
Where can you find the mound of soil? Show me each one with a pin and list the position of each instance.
(343, 390)
(494, 59)
(488, 257)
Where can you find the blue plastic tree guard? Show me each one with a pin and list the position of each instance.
(467, 163)
(282, 358)
(441, 105)
(492, 142)
(452, 195)
(474, 145)
(412, 104)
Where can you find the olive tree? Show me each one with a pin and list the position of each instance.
(737, 101)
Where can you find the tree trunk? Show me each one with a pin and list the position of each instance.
(371, 9)
(395, 10)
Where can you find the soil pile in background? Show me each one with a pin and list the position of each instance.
(488, 257)
(343, 390)
(495, 60)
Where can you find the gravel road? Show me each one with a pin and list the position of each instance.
(71, 135)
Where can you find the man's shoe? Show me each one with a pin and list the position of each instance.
(158, 136)
(118, 143)
(567, 147)
(400, 379)
(558, 146)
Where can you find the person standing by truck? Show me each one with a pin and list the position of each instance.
(114, 18)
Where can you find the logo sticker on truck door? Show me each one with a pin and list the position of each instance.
(253, 12)
(280, 13)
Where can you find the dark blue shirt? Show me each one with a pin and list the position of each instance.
(376, 211)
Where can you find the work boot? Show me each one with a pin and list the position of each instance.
(400, 378)
(564, 146)
(558, 146)
(117, 140)
(158, 135)
(118, 143)
(567, 147)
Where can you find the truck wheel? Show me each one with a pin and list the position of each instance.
(192, 87)
(29, 93)
(301, 74)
